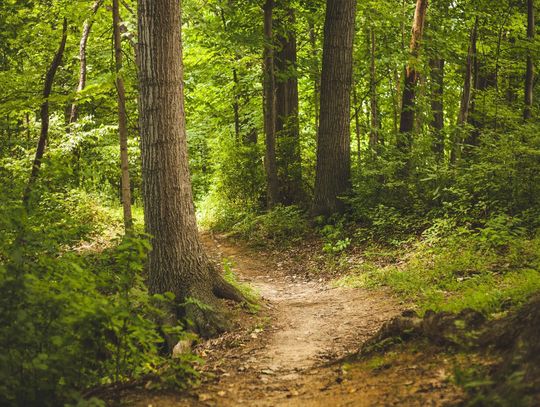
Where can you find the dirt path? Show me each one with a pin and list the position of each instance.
(284, 356)
(313, 322)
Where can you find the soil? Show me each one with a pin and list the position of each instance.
(294, 351)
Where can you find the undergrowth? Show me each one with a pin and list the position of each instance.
(279, 227)
(251, 295)
(451, 268)
(75, 317)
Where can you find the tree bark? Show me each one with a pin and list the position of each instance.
(287, 126)
(437, 106)
(44, 114)
(332, 177)
(87, 27)
(122, 120)
(411, 78)
(177, 262)
(529, 76)
(269, 89)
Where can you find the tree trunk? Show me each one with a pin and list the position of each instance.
(287, 125)
(529, 76)
(87, 26)
(357, 129)
(406, 125)
(315, 75)
(482, 79)
(236, 89)
(463, 116)
(177, 262)
(374, 126)
(236, 106)
(270, 165)
(44, 114)
(332, 178)
(122, 120)
(437, 106)
(466, 95)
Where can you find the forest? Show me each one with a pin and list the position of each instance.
(269, 203)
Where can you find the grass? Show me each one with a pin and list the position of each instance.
(456, 273)
(251, 295)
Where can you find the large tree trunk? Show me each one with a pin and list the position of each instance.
(287, 124)
(437, 106)
(333, 170)
(87, 27)
(411, 78)
(122, 120)
(177, 262)
(269, 90)
(529, 76)
(44, 114)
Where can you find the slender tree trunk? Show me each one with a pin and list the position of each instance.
(357, 129)
(270, 164)
(396, 108)
(27, 127)
(122, 120)
(464, 108)
(87, 27)
(315, 75)
(332, 178)
(44, 114)
(236, 106)
(236, 101)
(287, 125)
(482, 78)
(374, 108)
(529, 76)
(177, 262)
(411, 78)
(437, 106)
(467, 85)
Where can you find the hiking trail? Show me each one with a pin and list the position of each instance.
(289, 354)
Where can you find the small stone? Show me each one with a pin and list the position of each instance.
(182, 347)
(205, 397)
(221, 393)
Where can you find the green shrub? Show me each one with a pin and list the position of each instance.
(452, 268)
(280, 226)
(72, 319)
(335, 240)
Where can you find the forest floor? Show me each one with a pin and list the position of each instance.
(297, 350)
